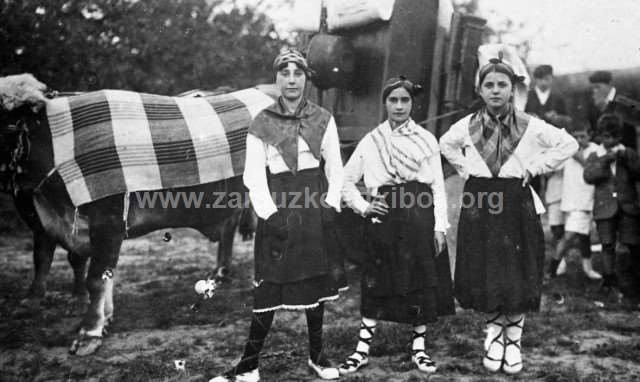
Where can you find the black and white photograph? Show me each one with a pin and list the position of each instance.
(310, 190)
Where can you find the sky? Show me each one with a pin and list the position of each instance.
(572, 35)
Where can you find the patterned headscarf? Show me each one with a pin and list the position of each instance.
(291, 55)
(499, 66)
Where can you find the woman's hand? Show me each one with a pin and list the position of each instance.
(440, 242)
(277, 229)
(378, 207)
(527, 178)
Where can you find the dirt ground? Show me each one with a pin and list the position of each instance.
(590, 337)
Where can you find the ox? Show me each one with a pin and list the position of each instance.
(104, 217)
(59, 214)
(58, 219)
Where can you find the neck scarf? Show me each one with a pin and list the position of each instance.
(276, 126)
(496, 138)
(404, 151)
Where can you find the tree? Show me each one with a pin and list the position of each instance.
(155, 46)
(500, 28)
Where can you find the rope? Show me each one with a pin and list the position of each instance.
(438, 117)
(74, 227)
(125, 213)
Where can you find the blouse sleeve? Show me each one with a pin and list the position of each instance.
(255, 178)
(330, 149)
(439, 195)
(557, 146)
(451, 144)
(353, 172)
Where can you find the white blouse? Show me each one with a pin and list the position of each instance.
(364, 163)
(542, 149)
(261, 155)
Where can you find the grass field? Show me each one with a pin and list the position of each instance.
(591, 337)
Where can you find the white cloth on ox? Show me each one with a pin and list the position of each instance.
(112, 141)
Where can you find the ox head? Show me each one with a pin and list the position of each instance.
(21, 97)
(15, 145)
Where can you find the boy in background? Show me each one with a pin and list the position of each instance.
(555, 216)
(614, 169)
(576, 204)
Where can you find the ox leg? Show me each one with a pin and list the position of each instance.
(43, 248)
(79, 265)
(100, 284)
(106, 240)
(225, 247)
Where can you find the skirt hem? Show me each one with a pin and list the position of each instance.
(302, 307)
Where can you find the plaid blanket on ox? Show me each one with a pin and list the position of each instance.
(113, 141)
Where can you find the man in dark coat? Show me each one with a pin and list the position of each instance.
(546, 104)
(606, 99)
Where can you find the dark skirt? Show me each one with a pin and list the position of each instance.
(311, 268)
(402, 279)
(500, 254)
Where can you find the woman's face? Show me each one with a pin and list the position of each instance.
(496, 90)
(398, 104)
(291, 80)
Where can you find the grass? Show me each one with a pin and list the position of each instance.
(154, 326)
(627, 351)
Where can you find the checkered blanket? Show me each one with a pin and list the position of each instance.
(112, 141)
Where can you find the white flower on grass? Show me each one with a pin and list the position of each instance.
(179, 364)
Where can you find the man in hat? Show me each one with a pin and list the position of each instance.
(548, 105)
(544, 103)
(606, 99)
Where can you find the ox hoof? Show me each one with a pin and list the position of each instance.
(85, 345)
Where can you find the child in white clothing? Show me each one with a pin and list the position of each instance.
(576, 204)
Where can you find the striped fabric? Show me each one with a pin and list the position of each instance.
(112, 141)
(409, 149)
(404, 152)
(497, 138)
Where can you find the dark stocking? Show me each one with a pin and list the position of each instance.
(314, 326)
(260, 325)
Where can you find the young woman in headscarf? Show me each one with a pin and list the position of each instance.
(405, 276)
(297, 265)
(500, 253)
